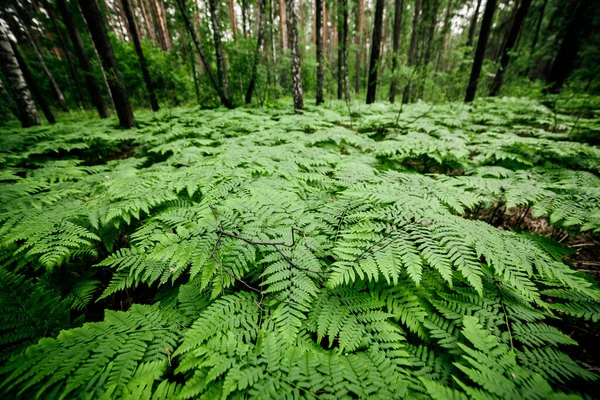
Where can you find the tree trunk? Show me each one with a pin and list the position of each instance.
(190, 27)
(140, 53)
(358, 44)
(473, 25)
(484, 34)
(91, 13)
(538, 26)
(26, 111)
(259, 43)
(32, 84)
(232, 18)
(445, 32)
(65, 48)
(84, 61)
(26, 23)
(375, 51)
(282, 25)
(220, 54)
(339, 76)
(513, 33)
(346, 78)
(569, 48)
(292, 27)
(412, 53)
(161, 26)
(319, 45)
(399, 6)
(148, 21)
(245, 20)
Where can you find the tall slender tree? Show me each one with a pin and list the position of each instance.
(84, 61)
(412, 52)
(473, 24)
(343, 79)
(569, 49)
(259, 44)
(26, 111)
(294, 45)
(398, 8)
(358, 39)
(375, 51)
(25, 23)
(484, 34)
(140, 53)
(216, 84)
(232, 18)
(91, 13)
(538, 26)
(282, 24)
(319, 45)
(214, 7)
(510, 41)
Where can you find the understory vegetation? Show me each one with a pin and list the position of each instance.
(352, 251)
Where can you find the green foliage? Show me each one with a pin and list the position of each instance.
(272, 255)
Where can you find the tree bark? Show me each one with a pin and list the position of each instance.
(445, 32)
(161, 25)
(319, 45)
(473, 25)
(148, 21)
(282, 25)
(26, 22)
(345, 75)
(538, 26)
(259, 43)
(232, 19)
(399, 6)
(26, 111)
(513, 33)
(65, 48)
(292, 27)
(32, 84)
(412, 53)
(84, 61)
(484, 34)
(140, 53)
(220, 54)
(358, 44)
(190, 27)
(375, 51)
(569, 49)
(91, 13)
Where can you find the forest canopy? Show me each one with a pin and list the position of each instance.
(299, 199)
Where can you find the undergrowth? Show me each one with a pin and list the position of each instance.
(348, 252)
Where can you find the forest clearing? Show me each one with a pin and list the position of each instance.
(197, 202)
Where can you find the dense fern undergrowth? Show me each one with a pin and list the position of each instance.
(349, 252)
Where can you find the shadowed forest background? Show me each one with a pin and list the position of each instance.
(275, 199)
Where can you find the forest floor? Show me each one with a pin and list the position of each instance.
(516, 164)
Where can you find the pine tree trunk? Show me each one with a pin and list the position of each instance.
(232, 19)
(339, 76)
(259, 44)
(65, 48)
(282, 25)
(399, 6)
(161, 31)
(538, 26)
(220, 54)
(346, 78)
(292, 28)
(84, 61)
(375, 52)
(148, 21)
(473, 25)
(412, 53)
(319, 45)
(445, 33)
(26, 22)
(91, 13)
(216, 84)
(569, 48)
(32, 84)
(26, 111)
(358, 44)
(484, 33)
(430, 11)
(513, 33)
(140, 53)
